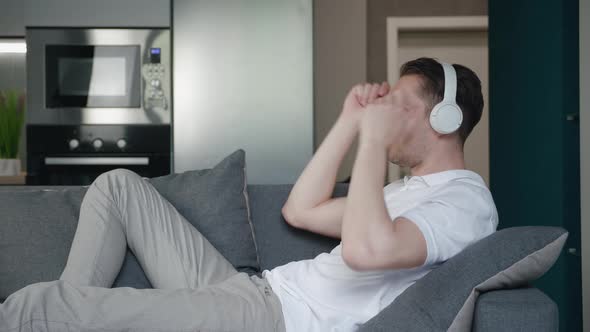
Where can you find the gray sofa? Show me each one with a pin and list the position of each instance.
(523, 308)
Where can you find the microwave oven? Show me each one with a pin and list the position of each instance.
(81, 76)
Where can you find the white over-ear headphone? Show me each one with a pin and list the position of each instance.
(446, 116)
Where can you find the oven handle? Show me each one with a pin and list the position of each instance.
(97, 161)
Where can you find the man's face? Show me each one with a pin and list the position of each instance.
(413, 128)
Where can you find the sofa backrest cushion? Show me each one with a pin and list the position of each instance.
(36, 231)
(279, 243)
(444, 299)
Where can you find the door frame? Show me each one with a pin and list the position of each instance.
(397, 24)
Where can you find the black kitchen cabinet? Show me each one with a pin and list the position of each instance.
(18, 14)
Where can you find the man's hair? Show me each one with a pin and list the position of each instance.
(469, 96)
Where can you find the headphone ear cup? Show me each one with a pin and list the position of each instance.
(446, 118)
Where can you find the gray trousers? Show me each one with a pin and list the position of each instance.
(196, 288)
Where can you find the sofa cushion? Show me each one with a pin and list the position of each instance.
(445, 298)
(215, 202)
(523, 309)
(37, 224)
(36, 231)
(278, 243)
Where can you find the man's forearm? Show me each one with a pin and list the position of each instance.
(365, 211)
(316, 183)
(310, 205)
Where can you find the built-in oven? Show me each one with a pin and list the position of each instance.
(97, 99)
(77, 154)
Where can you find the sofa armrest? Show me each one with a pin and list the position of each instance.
(522, 309)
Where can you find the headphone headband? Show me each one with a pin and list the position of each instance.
(450, 82)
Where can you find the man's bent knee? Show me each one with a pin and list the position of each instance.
(113, 183)
(117, 176)
(120, 174)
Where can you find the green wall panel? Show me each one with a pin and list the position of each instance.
(534, 149)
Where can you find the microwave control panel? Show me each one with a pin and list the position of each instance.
(153, 74)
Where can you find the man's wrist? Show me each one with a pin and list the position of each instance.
(371, 142)
(349, 120)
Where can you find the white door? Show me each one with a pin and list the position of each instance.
(463, 45)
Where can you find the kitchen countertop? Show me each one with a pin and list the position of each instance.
(13, 180)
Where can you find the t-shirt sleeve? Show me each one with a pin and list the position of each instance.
(452, 219)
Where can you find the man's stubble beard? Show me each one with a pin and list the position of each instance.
(408, 154)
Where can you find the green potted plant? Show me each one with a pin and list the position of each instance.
(12, 117)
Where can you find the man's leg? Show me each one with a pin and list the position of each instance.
(240, 303)
(120, 208)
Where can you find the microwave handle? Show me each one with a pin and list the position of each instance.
(81, 161)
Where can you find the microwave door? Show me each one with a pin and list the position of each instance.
(84, 76)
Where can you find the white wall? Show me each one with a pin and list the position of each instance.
(243, 79)
(585, 155)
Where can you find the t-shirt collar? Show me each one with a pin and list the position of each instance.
(434, 179)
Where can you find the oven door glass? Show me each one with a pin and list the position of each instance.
(92, 76)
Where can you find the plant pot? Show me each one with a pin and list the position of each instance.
(9, 167)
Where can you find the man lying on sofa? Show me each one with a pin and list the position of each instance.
(391, 236)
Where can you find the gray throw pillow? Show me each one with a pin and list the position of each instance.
(215, 202)
(444, 299)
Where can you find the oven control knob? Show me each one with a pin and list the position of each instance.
(121, 143)
(97, 143)
(74, 143)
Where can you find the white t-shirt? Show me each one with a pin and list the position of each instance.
(452, 209)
